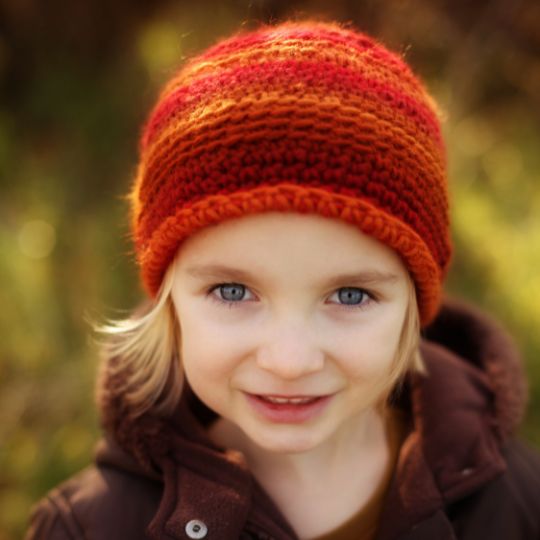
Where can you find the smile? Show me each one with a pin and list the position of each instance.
(292, 400)
(288, 409)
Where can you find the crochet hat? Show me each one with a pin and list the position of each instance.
(308, 117)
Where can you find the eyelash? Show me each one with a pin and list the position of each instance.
(229, 303)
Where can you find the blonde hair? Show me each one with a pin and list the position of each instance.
(408, 355)
(146, 350)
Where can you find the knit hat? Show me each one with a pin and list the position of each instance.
(309, 117)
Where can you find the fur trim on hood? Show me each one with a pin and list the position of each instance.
(480, 340)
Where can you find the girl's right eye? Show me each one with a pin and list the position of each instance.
(230, 294)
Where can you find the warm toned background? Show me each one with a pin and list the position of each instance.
(76, 80)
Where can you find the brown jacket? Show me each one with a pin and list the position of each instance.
(461, 474)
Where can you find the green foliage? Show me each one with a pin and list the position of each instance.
(496, 224)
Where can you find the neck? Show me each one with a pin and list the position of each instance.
(319, 489)
(354, 444)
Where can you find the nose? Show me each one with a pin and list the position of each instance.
(291, 353)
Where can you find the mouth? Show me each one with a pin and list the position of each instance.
(288, 408)
(291, 400)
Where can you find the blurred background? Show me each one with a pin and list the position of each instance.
(77, 78)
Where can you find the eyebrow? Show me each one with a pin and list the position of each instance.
(218, 271)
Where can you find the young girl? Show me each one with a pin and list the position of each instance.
(290, 217)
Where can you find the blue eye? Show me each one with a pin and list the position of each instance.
(350, 295)
(230, 294)
(354, 297)
(233, 294)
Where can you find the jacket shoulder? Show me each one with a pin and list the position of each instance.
(98, 502)
(523, 474)
(516, 493)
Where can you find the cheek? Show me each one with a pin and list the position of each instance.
(370, 350)
(209, 353)
(204, 368)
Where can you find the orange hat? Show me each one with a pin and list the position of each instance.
(307, 117)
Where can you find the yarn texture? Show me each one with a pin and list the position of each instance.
(309, 117)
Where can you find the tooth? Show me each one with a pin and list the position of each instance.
(282, 400)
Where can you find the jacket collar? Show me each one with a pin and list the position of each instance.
(201, 480)
(452, 450)
(462, 412)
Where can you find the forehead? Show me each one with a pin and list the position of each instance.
(289, 240)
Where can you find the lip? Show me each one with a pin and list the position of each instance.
(288, 413)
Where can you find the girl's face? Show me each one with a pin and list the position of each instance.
(289, 324)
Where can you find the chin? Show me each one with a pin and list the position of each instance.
(286, 443)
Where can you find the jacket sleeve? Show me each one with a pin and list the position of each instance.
(52, 519)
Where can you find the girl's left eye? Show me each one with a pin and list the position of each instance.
(354, 297)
